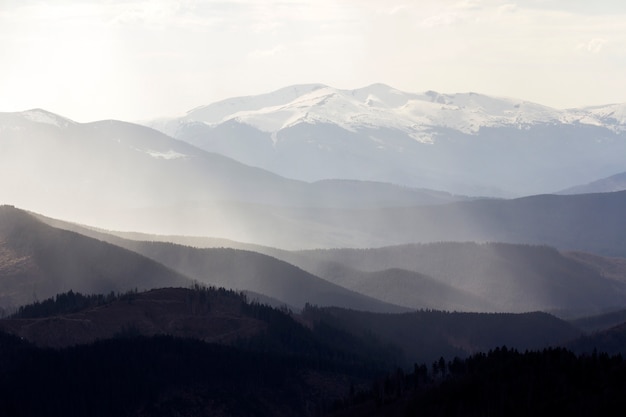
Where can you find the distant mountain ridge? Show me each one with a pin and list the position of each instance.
(467, 143)
(611, 184)
(110, 172)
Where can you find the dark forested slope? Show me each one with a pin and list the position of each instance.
(427, 335)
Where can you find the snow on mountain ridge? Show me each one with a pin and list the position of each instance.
(613, 115)
(381, 106)
(351, 110)
(219, 111)
(43, 116)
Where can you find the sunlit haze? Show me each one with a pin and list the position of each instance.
(137, 60)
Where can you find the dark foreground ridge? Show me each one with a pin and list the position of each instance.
(502, 382)
(208, 351)
(164, 376)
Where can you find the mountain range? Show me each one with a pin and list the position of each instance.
(123, 176)
(451, 142)
(126, 177)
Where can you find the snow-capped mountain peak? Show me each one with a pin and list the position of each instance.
(454, 142)
(222, 110)
(382, 106)
(612, 114)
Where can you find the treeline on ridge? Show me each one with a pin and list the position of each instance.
(501, 382)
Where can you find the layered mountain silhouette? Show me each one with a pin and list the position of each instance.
(589, 223)
(138, 289)
(453, 276)
(122, 176)
(38, 261)
(128, 177)
(487, 277)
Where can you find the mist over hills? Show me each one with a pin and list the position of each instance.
(493, 276)
(453, 276)
(245, 270)
(128, 177)
(121, 176)
(590, 223)
(452, 142)
(362, 152)
(38, 261)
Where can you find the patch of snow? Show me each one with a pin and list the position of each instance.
(224, 110)
(613, 116)
(274, 137)
(42, 116)
(170, 154)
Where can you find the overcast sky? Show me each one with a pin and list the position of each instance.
(135, 60)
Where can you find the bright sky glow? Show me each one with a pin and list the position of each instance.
(135, 60)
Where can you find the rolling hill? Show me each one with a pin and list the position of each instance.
(80, 260)
(210, 316)
(499, 277)
(461, 276)
(428, 335)
(38, 261)
(245, 270)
